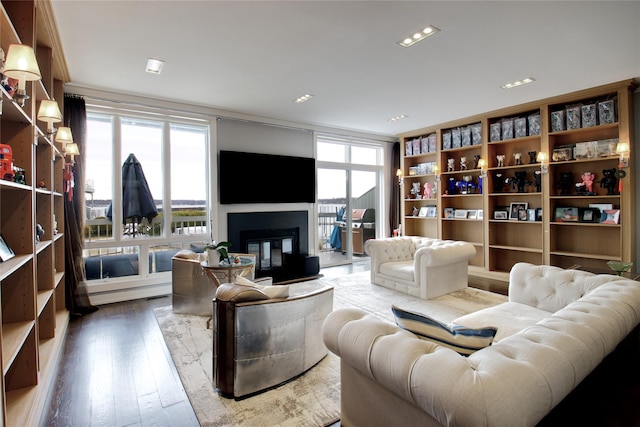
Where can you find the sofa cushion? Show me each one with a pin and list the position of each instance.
(400, 269)
(509, 317)
(459, 338)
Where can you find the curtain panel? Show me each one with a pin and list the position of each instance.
(76, 295)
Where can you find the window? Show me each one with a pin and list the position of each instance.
(173, 157)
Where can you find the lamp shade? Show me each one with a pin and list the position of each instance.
(21, 64)
(63, 136)
(72, 149)
(49, 112)
(622, 148)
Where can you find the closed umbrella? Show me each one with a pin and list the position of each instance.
(137, 201)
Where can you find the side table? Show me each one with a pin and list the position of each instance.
(225, 273)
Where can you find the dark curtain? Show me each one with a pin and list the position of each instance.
(76, 295)
(394, 206)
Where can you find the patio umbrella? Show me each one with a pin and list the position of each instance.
(137, 201)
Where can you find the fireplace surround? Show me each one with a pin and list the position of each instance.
(279, 239)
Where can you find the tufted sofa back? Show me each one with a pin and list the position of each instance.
(552, 288)
(400, 248)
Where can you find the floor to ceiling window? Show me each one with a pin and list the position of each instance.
(350, 188)
(132, 230)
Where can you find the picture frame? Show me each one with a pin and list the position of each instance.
(448, 213)
(515, 208)
(566, 214)
(472, 214)
(590, 215)
(423, 212)
(611, 216)
(460, 214)
(431, 212)
(601, 207)
(538, 214)
(480, 214)
(522, 214)
(531, 214)
(500, 215)
(6, 253)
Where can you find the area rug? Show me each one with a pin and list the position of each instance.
(312, 399)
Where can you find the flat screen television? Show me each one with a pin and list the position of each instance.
(265, 178)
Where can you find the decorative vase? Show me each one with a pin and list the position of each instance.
(213, 257)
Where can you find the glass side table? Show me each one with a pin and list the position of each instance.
(227, 273)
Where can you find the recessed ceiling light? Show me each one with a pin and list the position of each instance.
(396, 118)
(303, 98)
(418, 35)
(154, 66)
(518, 83)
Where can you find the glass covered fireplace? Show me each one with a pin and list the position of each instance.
(271, 247)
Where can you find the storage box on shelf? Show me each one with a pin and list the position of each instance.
(419, 185)
(578, 132)
(34, 317)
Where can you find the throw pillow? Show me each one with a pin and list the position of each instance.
(278, 291)
(458, 338)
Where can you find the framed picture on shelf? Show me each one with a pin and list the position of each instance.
(500, 215)
(423, 211)
(448, 213)
(589, 215)
(515, 208)
(480, 214)
(460, 214)
(611, 216)
(531, 214)
(431, 212)
(566, 214)
(601, 207)
(6, 253)
(538, 214)
(472, 214)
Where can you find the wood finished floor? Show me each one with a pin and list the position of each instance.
(116, 371)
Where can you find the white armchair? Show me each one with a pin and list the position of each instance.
(420, 266)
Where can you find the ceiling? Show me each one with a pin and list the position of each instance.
(256, 57)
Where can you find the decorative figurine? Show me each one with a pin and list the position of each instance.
(538, 180)
(498, 182)
(451, 188)
(450, 165)
(415, 189)
(476, 161)
(564, 183)
(463, 163)
(532, 157)
(521, 181)
(609, 180)
(467, 184)
(427, 190)
(518, 157)
(585, 188)
(39, 232)
(500, 158)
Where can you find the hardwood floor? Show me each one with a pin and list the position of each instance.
(116, 371)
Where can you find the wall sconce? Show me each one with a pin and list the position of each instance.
(543, 158)
(623, 150)
(49, 112)
(436, 172)
(482, 164)
(64, 137)
(72, 150)
(400, 176)
(21, 65)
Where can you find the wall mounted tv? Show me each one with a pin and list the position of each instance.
(266, 178)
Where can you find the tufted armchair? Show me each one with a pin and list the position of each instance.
(420, 266)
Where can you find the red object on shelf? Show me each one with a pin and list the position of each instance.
(6, 162)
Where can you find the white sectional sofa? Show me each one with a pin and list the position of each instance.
(420, 266)
(557, 326)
